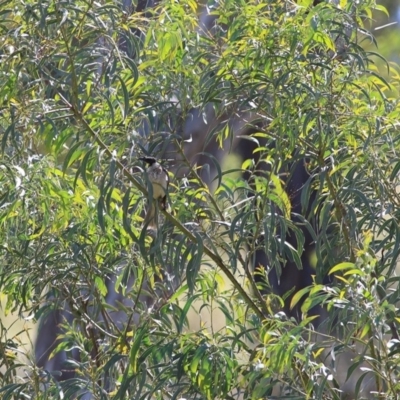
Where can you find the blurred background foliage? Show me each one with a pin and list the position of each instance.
(385, 28)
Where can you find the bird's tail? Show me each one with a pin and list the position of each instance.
(151, 218)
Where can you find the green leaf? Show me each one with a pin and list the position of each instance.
(341, 267)
(136, 344)
(305, 3)
(298, 296)
(101, 286)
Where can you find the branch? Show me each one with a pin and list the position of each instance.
(175, 222)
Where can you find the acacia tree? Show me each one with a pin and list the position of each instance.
(87, 87)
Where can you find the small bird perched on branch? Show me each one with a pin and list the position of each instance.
(158, 176)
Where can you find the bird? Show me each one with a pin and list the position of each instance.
(159, 179)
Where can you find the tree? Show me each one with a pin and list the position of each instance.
(87, 87)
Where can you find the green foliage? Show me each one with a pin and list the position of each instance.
(86, 87)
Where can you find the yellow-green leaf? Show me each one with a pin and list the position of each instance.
(342, 266)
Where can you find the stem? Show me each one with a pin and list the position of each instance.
(249, 276)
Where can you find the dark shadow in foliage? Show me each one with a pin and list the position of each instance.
(291, 278)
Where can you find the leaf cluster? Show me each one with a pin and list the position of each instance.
(88, 87)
